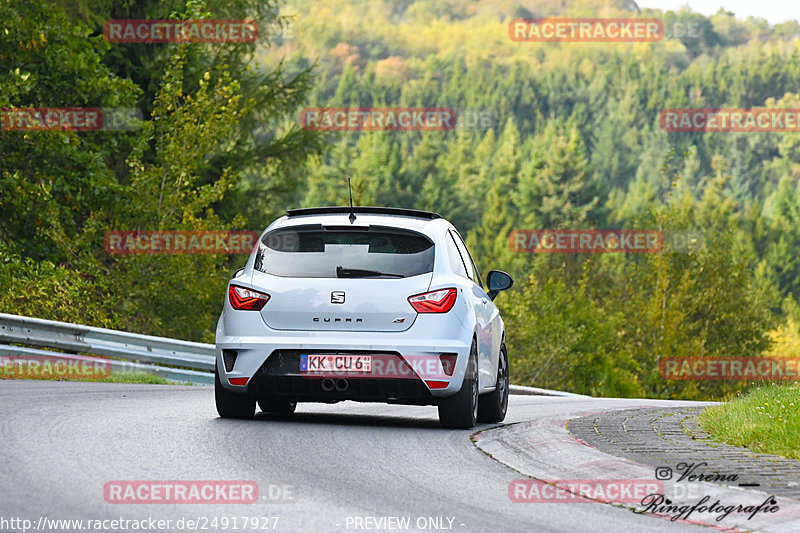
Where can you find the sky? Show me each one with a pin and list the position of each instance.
(774, 11)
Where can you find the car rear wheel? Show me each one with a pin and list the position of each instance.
(232, 404)
(280, 406)
(460, 411)
(492, 407)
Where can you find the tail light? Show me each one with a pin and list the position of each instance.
(440, 301)
(243, 299)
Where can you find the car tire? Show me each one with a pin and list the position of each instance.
(232, 404)
(280, 406)
(492, 407)
(460, 411)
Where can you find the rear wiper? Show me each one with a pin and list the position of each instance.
(342, 272)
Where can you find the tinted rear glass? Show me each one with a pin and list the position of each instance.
(319, 253)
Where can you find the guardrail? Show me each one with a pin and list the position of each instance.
(132, 352)
(536, 391)
(135, 351)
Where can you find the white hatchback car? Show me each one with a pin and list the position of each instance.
(367, 304)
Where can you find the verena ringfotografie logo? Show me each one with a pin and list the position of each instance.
(582, 490)
(728, 120)
(70, 119)
(181, 242)
(658, 504)
(180, 31)
(729, 368)
(54, 367)
(180, 492)
(586, 30)
(693, 472)
(586, 241)
(378, 119)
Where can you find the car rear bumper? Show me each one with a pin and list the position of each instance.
(401, 391)
(271, 367)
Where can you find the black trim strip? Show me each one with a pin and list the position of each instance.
(366, 210)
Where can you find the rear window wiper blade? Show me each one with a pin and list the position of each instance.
(342, 272)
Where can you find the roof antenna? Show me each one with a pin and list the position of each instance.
(352, 212)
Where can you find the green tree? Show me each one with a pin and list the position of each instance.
(554, 189)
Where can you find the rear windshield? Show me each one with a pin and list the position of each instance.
(321, 253)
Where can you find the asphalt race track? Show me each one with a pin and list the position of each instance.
(343, 467)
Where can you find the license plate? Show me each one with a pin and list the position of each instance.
(345, 364)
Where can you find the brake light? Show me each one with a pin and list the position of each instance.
(440, 301)
(243, 299)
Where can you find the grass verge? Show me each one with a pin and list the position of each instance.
(765, 420)
(121, 377)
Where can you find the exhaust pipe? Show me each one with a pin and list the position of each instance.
(342, 385)
(327, 384)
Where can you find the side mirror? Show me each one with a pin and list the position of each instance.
(497, 281)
